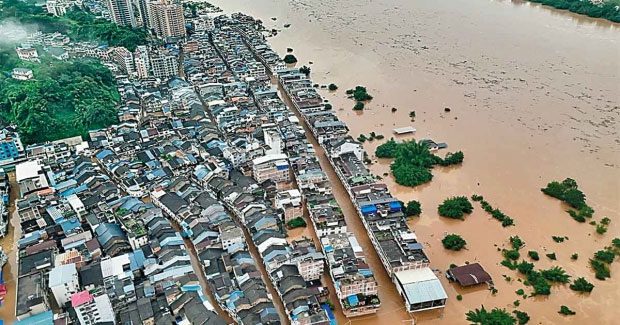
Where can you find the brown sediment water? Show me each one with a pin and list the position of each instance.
(534, 96)
(9, 244)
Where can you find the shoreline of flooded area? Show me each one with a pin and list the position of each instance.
(9, 244)
(528, 105)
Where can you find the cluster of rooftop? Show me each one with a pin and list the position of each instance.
(382, 214)
(95, 252)
(207, 164)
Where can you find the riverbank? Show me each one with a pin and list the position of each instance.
(607, 10)
(8, 243)
(522, 116)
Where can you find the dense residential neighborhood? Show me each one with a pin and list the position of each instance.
(181, 212)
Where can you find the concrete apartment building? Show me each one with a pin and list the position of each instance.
(122, 12)
(166, 19)
(163, 66)
(141, 61)
(271, 167)
(64, 282)
(124, 59)
(58, 7)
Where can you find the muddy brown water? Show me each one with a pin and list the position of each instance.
(534, 95)
(9, 244)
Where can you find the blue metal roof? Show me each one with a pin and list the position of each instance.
(353, 301)
(369, 209)
(104, 153)
(136, 260)
(70, 225)
(106, 231)
(395, 205)
(44, 318)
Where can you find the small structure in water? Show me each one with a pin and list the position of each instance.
(433, 146)
(404, 130)
(469, 275)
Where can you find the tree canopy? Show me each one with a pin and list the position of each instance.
(455, 207)
(606, 10)
(413, 208)
(569, 192)
(453, 242)
(495, 316)
(79, 25)
(413, 161)
(65, 99)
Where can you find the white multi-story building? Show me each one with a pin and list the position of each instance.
(124, 59)
(272, 139)
(142, 62)
(22, 74)
(231, 236)
(27, 53)
(58, 7)
(204, 23)
(63, 282)
(92, 309)
(271, 167)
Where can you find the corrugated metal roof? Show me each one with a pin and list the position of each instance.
(421, 285)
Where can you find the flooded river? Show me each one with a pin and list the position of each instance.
(534, 95)
(9, 244)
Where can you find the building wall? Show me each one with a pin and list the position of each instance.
(166, 19)
(122, 12)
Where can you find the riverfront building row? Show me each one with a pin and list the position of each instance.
(198, 183)
(382, 214)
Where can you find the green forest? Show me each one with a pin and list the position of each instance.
(65, 98)
(608, 10)
(79, 25)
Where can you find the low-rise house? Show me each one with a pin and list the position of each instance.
(22, 74)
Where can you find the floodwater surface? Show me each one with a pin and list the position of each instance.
(534, 96)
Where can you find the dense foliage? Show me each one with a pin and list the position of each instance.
(606, 10)
(455, 207)
(496, 316)
(603, 258)
(522, 317)
(413, 161)
(568, 191)
(539, 283)
(494, 212)
(297, 223)
(359, 94)
(413, 208)
(387, 150)
(564, 310)
(65, 99)
(525, 267)
(453, 242)
(555, 274)
(77, 24)
(290, 59)
(581, 285)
